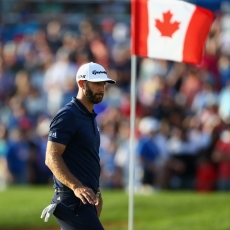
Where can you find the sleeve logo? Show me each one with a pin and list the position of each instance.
(53, 134)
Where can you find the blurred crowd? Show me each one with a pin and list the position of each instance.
(182, 112)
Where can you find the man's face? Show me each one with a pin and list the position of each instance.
(94, 91)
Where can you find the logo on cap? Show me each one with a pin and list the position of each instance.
(81, 76)
(94, 72)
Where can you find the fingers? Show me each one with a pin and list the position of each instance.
(89, 196)
(86, 195)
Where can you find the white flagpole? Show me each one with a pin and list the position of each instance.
(132, 140)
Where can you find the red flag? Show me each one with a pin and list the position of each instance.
(170, 29)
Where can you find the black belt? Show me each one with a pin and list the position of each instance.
(62, 190)
(69, 190)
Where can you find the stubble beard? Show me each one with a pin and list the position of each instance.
(93, 98)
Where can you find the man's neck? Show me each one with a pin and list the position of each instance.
(85, 102)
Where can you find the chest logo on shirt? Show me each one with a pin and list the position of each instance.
(53, 134)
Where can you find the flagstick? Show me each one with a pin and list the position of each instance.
(132, 140)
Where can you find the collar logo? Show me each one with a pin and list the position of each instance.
(94, 72)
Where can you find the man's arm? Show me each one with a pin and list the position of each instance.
(56, 164)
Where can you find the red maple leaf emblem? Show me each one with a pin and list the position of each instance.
(166, 27)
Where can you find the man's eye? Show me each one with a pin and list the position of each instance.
(100, 83)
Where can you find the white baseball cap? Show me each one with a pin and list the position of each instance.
(93, 72)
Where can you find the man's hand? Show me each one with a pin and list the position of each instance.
(85, 195)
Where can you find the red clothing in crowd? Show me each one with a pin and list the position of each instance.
(223, 148)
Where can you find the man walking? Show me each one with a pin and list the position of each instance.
(73, 155)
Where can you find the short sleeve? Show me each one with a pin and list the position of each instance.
(62, 127)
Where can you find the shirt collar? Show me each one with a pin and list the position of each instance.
(82, 107)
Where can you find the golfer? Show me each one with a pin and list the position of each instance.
(73, 155)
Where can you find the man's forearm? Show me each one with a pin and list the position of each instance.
(61, 172)
(56, 164)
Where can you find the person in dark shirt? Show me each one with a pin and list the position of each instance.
(72, 155)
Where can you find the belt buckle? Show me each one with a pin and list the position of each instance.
(58, 190)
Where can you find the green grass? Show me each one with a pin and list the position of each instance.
(21, 207)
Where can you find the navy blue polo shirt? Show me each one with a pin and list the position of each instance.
(76, 128)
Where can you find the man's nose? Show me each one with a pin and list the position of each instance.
(101, 88)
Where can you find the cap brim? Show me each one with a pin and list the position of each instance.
(108, 80)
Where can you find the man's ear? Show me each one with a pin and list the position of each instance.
(81, 84)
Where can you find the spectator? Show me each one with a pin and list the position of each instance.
(148, 150)
(58, 77)
(221, 156)
(182, 162)
(5, 175)
(17, 157)
(53, 35)
(121, 160)
(224, 107)
(43, 175)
